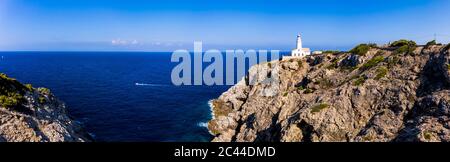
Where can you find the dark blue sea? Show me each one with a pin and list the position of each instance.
(100, 90)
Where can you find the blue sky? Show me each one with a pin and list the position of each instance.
(167, 25)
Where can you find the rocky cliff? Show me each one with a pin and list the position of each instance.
(30, 114)
(399, 92)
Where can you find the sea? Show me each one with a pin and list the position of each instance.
(120, 96)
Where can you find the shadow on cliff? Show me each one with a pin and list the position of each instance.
(432, 79)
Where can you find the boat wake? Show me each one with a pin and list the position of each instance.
(153, 85)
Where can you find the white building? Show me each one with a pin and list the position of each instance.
(300, 51)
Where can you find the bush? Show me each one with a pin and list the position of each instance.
(381, 72)
(325, 83)
(373, 45)
(361, 49)
(285, 94)
(403, 42)
(359, 81)
(11, 100)
(308, 90)
(430, 43)
(300, 63)
(372, 62)
(318, 107)
(9, 85)
(447, 47)
(392, 61)
(29, 87)
(334, 64)
(44, 91)
(42, 100)
(404, 50)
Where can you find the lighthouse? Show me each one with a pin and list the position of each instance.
(300, 51)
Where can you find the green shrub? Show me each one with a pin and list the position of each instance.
(447, 47)
(285, 94)
(308, 91)
(359, 81)
(448, 66)
(300, 63)
(403, 42)
(269, 65)
(325, 83)
(404, 50)
(372, 62)
(44, 91)
(373, 45)
(318, 107)
(392, 61)
(11, 100)
(8, 85)
(381, 72)
(300, 88)
(427, 135)
(42, 100)
(334, 64)
(430, 43)
(405, 46)
(29, 87)
(361, 49)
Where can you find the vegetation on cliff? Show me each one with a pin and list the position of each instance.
(399, 92)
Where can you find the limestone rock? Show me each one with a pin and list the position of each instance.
(381, 96)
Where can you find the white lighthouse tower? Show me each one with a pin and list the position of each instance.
(300, 51)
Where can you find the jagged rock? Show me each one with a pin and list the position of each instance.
(384, 96)
(37, 117)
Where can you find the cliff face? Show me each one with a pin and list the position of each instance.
(30, 114)
(382, 94)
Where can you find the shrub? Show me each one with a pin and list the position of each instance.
(285, 94)
(430, 43)
(359, 81)
(10, 85)
(300, 63)
(373, 45)
(318, 107)
(427, 135)
(308, 90)
(405, 46)
(42, 100)
(381, 72)
(447, 47)
(392, 61)
(325, 83)
(403, 42)
(29, 87)
(372, 62)
(361, 49)
(11, 100)
(334, 64)
(269, 65)
(300, 88)
(448, 66)
(404, 50)
(44, 91)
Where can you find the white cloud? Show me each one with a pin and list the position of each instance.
(121, 42)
